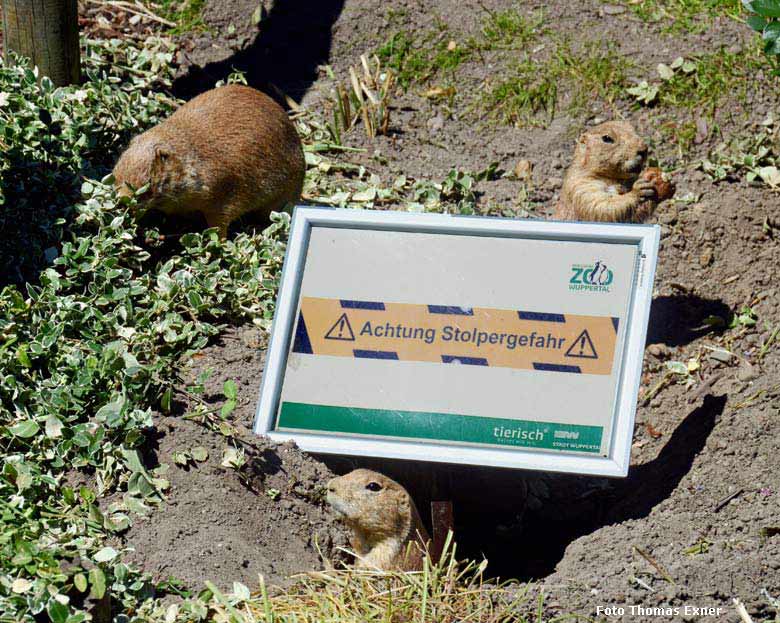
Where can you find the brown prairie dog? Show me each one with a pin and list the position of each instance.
(386, 530)
(229, 151)
(605, 181)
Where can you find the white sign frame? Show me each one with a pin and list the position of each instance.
(645, 237)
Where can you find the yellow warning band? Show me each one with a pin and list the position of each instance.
(522, 340)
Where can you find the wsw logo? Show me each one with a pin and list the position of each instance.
(595, 277)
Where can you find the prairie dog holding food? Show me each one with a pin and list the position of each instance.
(386, 530)
(605, 181)
(227, 152)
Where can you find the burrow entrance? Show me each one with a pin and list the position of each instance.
(521, 521)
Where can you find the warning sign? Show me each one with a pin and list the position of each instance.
(582, 347)
(342, 330)
(527, 340)
(424, 337)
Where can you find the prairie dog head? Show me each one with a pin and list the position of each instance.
(612, 150)
(371, 503)
(150, 159)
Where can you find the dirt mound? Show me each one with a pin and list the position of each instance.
(220, 524)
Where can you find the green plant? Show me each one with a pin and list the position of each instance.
(678, 16)
(92, 345)
(509, 29)
(534, 86)
(417, 61)
(50, 138)
(753, 154)
(187, 15)
(764, 18)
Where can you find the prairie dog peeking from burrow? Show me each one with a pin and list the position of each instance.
(386, 530)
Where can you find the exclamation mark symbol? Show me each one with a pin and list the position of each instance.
(582, 346)
(341, 330)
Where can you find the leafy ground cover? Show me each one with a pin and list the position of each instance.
(100, 316)
(93, 343)
(103, 313)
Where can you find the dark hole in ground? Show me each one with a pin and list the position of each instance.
(522, 522)
(293, 40)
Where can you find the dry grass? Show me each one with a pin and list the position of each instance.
(446, 592)
(367, 98)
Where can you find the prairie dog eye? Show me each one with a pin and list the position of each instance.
(607, 139)
(374, 486)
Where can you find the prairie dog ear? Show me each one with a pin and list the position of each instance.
(161, 155)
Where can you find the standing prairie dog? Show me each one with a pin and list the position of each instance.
(386, 530)
(605, 181)
(229, 151)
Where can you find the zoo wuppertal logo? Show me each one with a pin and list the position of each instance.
(591, 277)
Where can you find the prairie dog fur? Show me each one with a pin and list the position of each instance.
(603, 182)
(228, 151)
(386, 530)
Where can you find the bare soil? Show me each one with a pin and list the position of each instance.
(222, 524)
(666, 535)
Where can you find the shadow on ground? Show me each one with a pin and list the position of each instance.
(35, 212)
(292, 41)
(679, 319)
(523, 524)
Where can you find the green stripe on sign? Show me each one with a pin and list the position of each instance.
(440, 427)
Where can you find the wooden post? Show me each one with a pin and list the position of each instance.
(442, 520)
(47, 32)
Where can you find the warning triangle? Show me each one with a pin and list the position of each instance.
(582, 347)
(341, 330)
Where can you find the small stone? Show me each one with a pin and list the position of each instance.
(523, 170)
(705, 259)
(702, 131)
(611, 9)
(435, 123)
(747, 372)
(554, 182)
(659, 351)
(721, 355)
(252, 338)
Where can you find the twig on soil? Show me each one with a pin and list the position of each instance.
(135, 9)
(655, 564)
(724, 502)
(642, 583)
(751, 399)
(647, 396)
(705, 386)
(742, 611)
(486, 10)
(768, 344)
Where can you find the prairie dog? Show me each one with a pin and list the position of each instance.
(228, 151)
(604, 182)
(386, 530)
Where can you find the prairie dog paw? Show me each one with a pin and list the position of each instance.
(645, 189)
